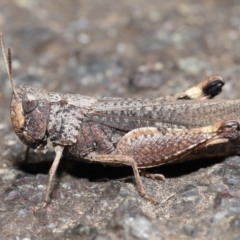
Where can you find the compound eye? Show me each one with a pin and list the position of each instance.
(29, 102)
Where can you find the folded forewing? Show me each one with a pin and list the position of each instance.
(128, 114)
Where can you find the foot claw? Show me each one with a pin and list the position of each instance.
(42, 206)
(150, 199)
(153, 175)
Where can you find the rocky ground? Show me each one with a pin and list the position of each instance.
(125, 49)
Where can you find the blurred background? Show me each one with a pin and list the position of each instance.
(114, 48)
(120, 48)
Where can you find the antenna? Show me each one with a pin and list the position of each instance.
(8, 64)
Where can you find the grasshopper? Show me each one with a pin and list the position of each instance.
(140, 133)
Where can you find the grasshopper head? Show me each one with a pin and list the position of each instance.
(30, 108)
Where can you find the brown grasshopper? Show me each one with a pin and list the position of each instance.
(138, 133)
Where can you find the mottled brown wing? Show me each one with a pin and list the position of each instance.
(128, 114)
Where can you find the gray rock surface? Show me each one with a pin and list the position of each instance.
(125, 49)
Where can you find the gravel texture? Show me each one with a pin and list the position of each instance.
(125, 49)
